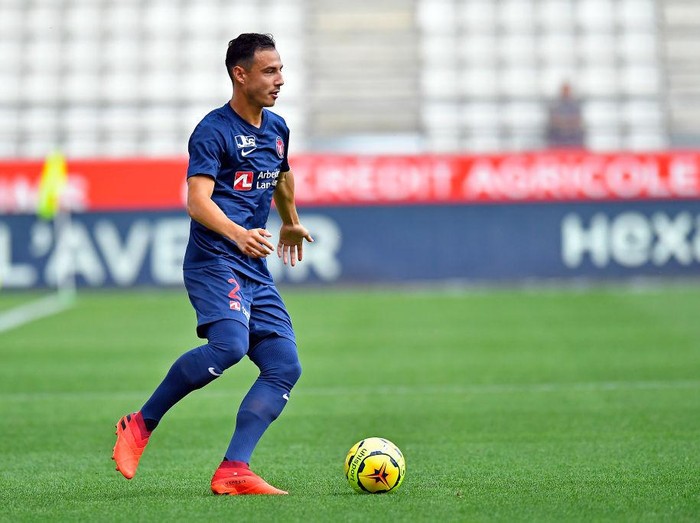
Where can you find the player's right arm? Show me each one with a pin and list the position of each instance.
(202, 209)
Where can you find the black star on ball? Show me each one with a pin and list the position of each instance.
(380, 475)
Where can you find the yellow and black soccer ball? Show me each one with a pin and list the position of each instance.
(375, 466)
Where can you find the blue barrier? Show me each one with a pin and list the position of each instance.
(378, 245)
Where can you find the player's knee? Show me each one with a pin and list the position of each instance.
(228, 342)
(292, 372)
(278, 361)
(227, 353)
(287, 371)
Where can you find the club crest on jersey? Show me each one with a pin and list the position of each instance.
(243, 181)
(279, 144)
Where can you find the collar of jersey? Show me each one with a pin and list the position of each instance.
(252, 128)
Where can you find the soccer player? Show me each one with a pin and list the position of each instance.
(238, 164)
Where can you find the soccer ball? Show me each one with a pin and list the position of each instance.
(374, 466)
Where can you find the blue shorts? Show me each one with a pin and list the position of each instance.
(217, 292)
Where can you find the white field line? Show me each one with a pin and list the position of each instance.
(33, 311)
(397, 390)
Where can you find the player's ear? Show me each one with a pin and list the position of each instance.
(238, 73)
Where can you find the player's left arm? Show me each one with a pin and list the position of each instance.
(292, 233)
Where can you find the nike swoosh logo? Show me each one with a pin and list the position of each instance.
(246, 152)
(285, 396)
(213, 372)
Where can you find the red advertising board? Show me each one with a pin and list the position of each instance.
(499, 178)
(98, 185)
(329, 180)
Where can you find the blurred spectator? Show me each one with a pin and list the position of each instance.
(565, 125)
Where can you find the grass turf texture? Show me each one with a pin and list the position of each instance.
(509, 406)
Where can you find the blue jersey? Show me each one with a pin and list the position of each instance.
(245, 162)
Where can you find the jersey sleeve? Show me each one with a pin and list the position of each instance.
(205, 148)
(285, 161)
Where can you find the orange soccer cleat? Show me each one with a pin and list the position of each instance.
(132, 438)
(235, 479)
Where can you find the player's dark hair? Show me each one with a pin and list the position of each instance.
(241, 49)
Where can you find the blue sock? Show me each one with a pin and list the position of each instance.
(279, 370)
(228, 343)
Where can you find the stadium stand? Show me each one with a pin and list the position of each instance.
(501, 61)
(362, 73)
(126, 77)
(682, 69)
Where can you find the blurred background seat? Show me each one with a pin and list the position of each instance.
(377, 67)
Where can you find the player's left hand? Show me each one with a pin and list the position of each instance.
(291, 244)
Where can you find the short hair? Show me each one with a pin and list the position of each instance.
(241, 49)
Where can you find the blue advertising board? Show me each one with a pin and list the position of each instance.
(375, 245)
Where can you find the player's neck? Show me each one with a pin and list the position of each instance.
(250, 113)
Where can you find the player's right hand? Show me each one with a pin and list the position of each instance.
(253, 243)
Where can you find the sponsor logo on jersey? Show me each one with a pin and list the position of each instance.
(243, 181)
(279, 144)
(246, 144)
(267, 179)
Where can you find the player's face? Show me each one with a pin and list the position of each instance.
(263, 79)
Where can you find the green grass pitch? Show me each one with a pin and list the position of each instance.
(510, 405)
